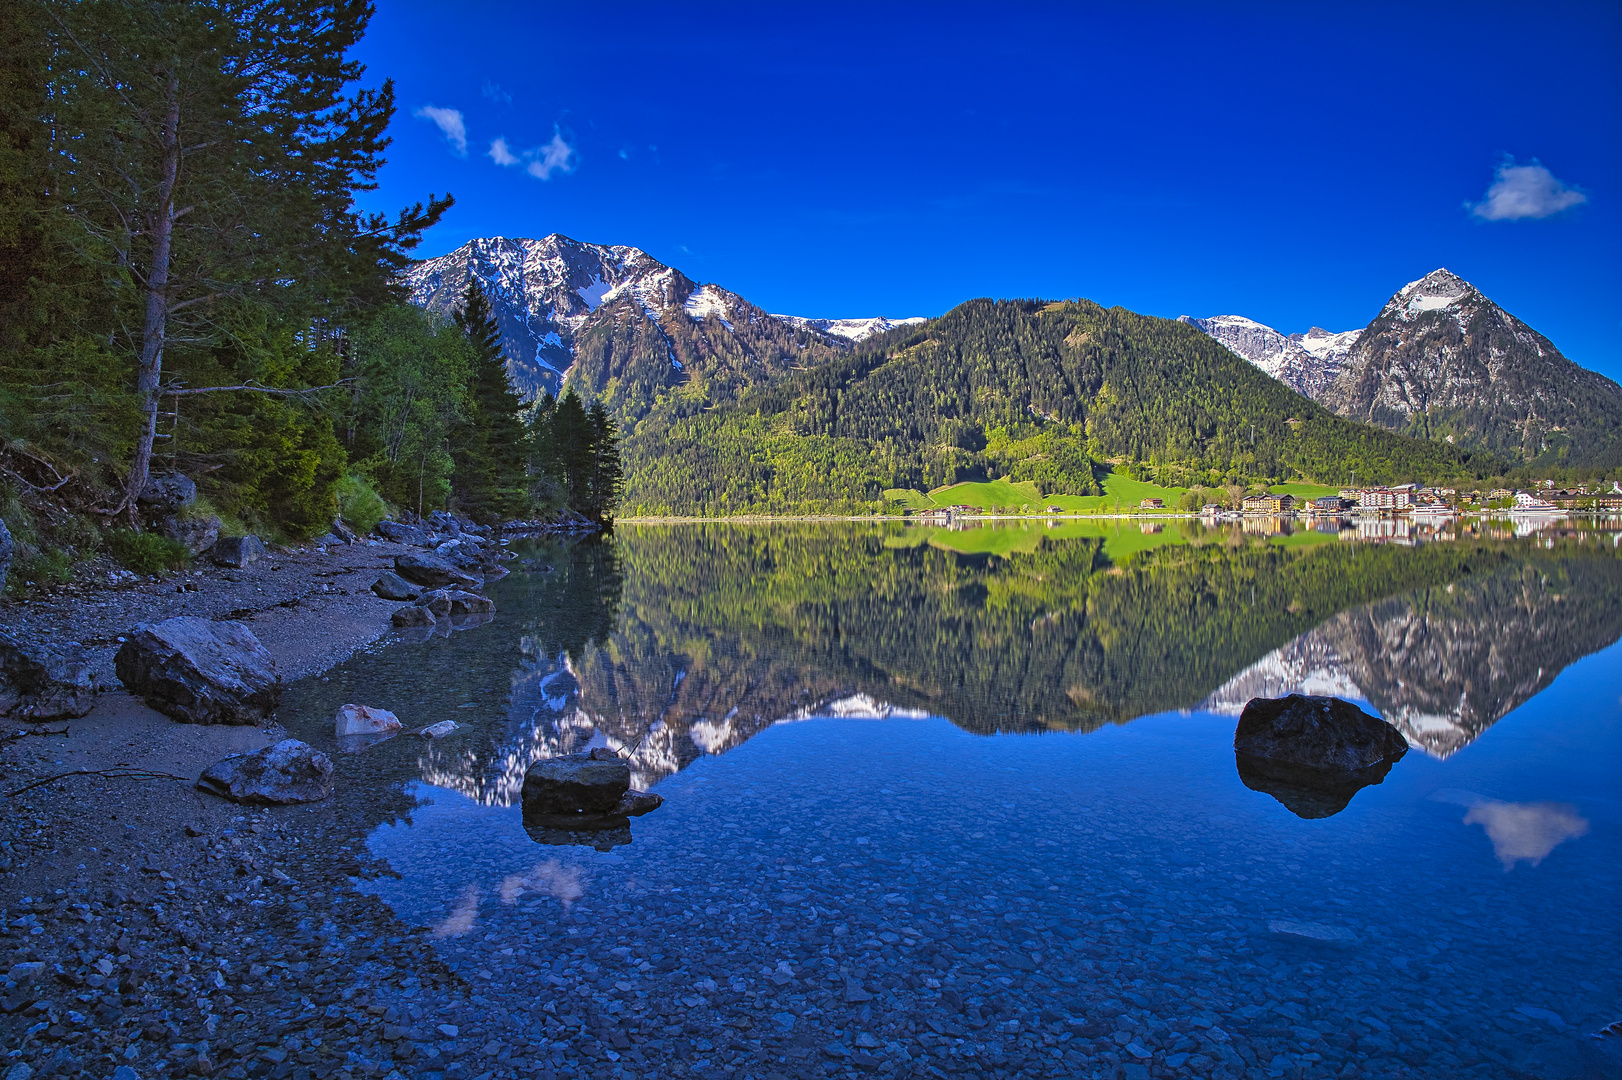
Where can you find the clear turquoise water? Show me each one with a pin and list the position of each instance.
(883, 886)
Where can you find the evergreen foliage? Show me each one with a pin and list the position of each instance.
(1021, 390)
(576, 455)
(491, 450)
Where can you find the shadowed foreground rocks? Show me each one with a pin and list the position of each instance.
(201, 672)
(1313, 753)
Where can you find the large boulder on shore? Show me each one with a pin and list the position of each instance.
(200, 672)
(237, 551)
(288, 772)
(400, 534)
(391, 586)
(1313, 753)
(44, 681)
(591, 783)
(432, 571)
(199, 534)
(166, 494)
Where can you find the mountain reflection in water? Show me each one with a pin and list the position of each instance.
(668, 643)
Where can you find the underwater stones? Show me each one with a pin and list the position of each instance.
(287, 772)
(439, 730)
(443, 602)
(391, 586)
(200, 672)
(237, 551)
(1312, 933)
(44, 681)
(1313, 753)
(432, 571)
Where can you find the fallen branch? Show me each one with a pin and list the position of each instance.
(106, 774)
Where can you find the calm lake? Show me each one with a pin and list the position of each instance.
(942, 802)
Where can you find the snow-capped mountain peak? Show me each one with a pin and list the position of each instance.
(1307, 363)
(852, 330)
(1436, 290)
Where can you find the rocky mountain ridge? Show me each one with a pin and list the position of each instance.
(1442, 361)
(554, 295)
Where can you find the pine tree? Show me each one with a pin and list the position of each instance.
(209, 157)
(607, 477)
(491, 451)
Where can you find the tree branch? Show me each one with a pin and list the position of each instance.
(176, 390)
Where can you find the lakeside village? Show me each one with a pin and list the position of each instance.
(1401, 513)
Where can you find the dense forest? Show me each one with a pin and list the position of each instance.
(188, 288)
(1046, 392)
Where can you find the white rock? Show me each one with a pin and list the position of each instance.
(439, 730)
(365, 720)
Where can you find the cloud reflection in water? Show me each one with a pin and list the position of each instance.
(1520, 832)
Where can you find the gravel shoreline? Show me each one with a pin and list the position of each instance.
(150, 926)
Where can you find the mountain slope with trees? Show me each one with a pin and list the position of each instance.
(1026, 390)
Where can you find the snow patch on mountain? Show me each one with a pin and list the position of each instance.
(852, 330)
(1306, 363)
(710, 300)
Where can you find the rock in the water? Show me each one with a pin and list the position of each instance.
(432, 571)
(398, 533)
(364, 720)
(7, 547)
(44, 681)
(444, 602)
(576, 784)
(637, 803)
(1312, 933)
(1313, 753)
(199, 671)
(237, 551)
(411, 615)
(288, 772)
(166, 494)
(391, 586)
(439, 730)
(198, 534)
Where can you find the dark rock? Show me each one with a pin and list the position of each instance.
(444, 602)
(575, 784)
(44, 681)
(398, 533)
(604, 832)
(343, 532)
(391, 586)
(288, 772)
(411, 615)
(7, 547)
(166, 494)
(433, 571)
(1313, 753)
(637, 803)
(198, 534)
(237, 551)
(199, 671)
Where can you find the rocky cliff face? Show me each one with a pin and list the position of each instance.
(1441, 361)
(1307, 363)
(624, 325)
(1444, 362)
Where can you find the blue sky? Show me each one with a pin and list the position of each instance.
(1294, 163)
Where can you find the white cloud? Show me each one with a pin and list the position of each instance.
(502, 154)
(450, 122)
(1525, 191)
(495, 93)
(540, 162)
(555, 156)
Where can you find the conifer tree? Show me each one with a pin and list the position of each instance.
(491, 451)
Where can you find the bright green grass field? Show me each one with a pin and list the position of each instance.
(1121, 539)
(1304, 491)
(1024, 498)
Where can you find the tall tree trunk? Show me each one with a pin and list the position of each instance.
(149, 374)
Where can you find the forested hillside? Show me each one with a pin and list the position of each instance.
(1026, 390)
